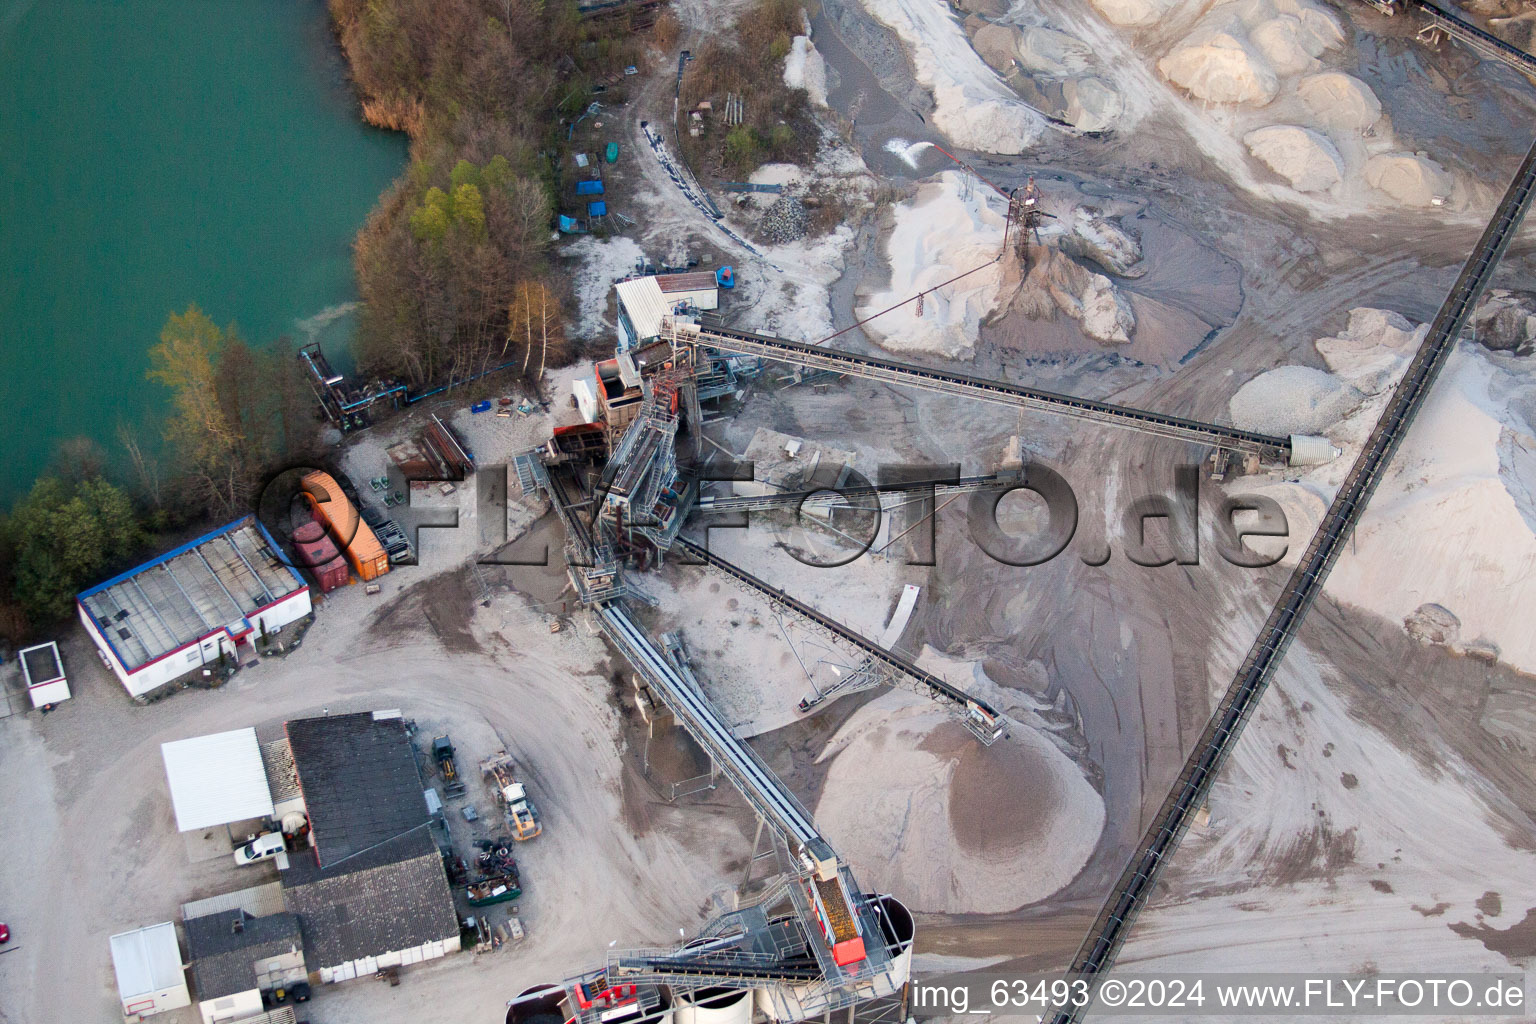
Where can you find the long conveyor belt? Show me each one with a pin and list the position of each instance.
(746, 771)
(1485, 42)
(1189, 791)
(565, 497)
(730, 339)
(982, 714)
(828, 496)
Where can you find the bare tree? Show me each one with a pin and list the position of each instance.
(146, 469)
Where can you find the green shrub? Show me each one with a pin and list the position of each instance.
(741, 148)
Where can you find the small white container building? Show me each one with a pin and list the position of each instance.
(43, 670)
(150, 975)
(180, 612)
(645, 301)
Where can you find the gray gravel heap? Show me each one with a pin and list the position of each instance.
(784, 221)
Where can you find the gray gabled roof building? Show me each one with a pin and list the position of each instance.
(225, 948)
(360, 782)
(390, 898)
(373, 891)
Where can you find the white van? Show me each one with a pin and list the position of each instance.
(260, 848)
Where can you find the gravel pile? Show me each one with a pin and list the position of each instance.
(784, 221)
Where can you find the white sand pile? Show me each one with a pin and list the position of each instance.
(1217, 63)
(1412, 179)
(1133, 13)
(955, 827)
(1049, 52)
(1373, 350)
(1453, 523)
(1236, 53)
(805, 69)
(1340, 102)
(937, 235)
(1293, 400)
(971, 104)
(1291, 35)
(1303, 157)
(1092, 104)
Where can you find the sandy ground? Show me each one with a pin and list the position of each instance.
(90, 816)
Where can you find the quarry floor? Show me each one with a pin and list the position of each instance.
(1366, 799)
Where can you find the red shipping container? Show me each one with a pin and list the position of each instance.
(316, 552)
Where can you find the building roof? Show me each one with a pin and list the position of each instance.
(215, 582)
(697, 281)
(394, 896)
(359, 779)
(282, 776)
(224, 948)
(41, 664)
(216, 779)
(147, 960)
(641, 300)
(257, 900)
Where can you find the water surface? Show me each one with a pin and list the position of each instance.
(156, 154)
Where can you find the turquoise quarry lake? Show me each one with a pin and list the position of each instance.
(154, 155)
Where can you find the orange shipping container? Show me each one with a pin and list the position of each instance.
(356, 540)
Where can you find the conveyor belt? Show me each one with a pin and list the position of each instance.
(730, 339)
(1189, 792)
(1485, 42)
(746, 771)
(561, 486)
(703, 968)
(825, 497)
(937, 689)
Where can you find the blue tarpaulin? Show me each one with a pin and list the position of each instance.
(589, 188)
(597, 209)
(569, 226)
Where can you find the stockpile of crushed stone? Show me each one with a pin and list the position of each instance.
(784, 221)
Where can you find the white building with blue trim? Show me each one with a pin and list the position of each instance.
(178, 613)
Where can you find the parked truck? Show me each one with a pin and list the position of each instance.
(522, 817)
(442, 752)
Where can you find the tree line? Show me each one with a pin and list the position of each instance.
(453, 271)
(453, 265)
(235, 414)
